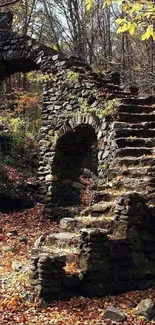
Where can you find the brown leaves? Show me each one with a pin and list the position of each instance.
(14, 302)
(71, 268)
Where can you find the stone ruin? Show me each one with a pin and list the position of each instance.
(96, 172)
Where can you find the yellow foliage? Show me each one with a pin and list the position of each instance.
(139, 15)
(136, 7)
(149, 32)
(89, 4)
(55, 47)
(132, 29)
(125, 26)
(106, 3)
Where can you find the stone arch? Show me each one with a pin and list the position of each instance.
(78, 119)
(21, 53)
(25, 56)
(75, 165)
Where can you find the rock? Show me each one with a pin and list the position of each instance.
(77, 185)
(40, 241)
(8, 249)
(12, 233)
(23, 240)
(114, 314)
(51, 178)
(1, 230)
(146, 308)
(69, 224)
(16, 266)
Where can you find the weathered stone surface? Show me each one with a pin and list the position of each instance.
(146, 308)
(69, 224)
(23, 240)
(8, 249)
(114, 314)
(12, 233)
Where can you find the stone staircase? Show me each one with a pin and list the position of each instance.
(133, 168)
(131, 171)
(118, 203)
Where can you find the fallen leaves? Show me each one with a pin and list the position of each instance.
(71, 268)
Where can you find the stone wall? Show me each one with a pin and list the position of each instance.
(73, 126)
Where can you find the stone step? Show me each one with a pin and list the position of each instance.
(139, 101)
(108, 195)
(136, 117)
(123, 125)
(70, 252)
(135, 184)
(110, 86)
(105, 195)
(120, 180)
(124, 171)
(134, 152)
(135, 108)
(61, 240)
(135, 142)
(133, 161)
(121, 94)
(140, 133)
(75, 224)
(102, 207)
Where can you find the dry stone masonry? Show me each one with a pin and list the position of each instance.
(96, 171)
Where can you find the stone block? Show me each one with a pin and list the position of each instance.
(114, 314)
(146, 308)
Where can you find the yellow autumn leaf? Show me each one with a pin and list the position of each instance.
(150, 5)
(137, 17)
(119, 21)
(137, 7)
(125, 27)
(55, 47)
(106, 3)
(88, 4)
(126, 6)
(141, 317)
(136, 68)
(145, 37)
(149, 32)
(132, 29)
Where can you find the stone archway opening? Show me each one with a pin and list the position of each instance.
(75, 167)
(12, 66)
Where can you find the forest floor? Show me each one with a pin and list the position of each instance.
(18, 302)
